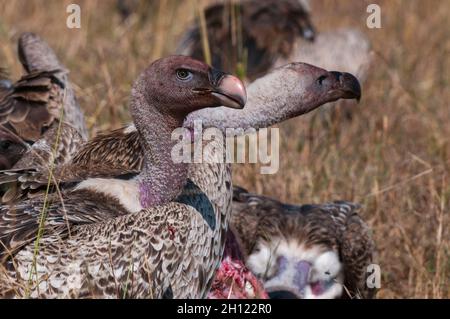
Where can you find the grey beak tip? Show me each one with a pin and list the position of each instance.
(352, 85)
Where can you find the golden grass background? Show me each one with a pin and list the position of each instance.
(393, 157)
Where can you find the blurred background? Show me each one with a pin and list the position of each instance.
(393, 156)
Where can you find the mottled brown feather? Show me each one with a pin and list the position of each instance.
(33, 103)
(168, 246)
(31, 172)
(107, 155)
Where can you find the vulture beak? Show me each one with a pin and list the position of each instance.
(228, 89)
(290, 283)
(302, 275)
(346, 86)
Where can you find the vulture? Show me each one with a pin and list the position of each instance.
(93, 246)
(284, 93)
(31, 108)
(303, 251)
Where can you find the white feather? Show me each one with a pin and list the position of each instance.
(125, 191)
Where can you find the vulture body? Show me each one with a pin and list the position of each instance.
(85, 243)
(169, 251)
(31, 108)
(304, 251)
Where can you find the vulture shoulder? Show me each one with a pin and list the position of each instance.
(51, 152)
(117, 150)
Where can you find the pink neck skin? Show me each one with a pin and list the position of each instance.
(160, 180)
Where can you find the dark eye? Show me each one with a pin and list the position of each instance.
(321, 79)
(4, 145)
(184, 75)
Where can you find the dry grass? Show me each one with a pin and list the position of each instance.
(393, 157)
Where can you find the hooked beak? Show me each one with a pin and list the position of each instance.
(346, 86)
(291, 283)
(228, 89)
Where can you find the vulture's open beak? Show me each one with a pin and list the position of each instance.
(346, 86)
(228, 89)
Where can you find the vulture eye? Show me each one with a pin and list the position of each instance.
(184, 75)
(4, 145)
(321, 79)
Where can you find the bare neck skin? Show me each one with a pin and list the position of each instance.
(161, 179)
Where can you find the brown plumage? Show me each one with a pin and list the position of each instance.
(254, 33)
(107, 155)
(275, 237)
(31, 105)
(55, 149)
(165, 251)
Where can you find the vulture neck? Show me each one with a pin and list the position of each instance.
(161, 179)
(266, 105)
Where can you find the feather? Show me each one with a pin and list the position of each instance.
(31, 105)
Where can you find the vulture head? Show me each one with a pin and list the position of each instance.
(291, 270)
(178, 85)
(303, 251)
(304, 88)
(286, 92)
